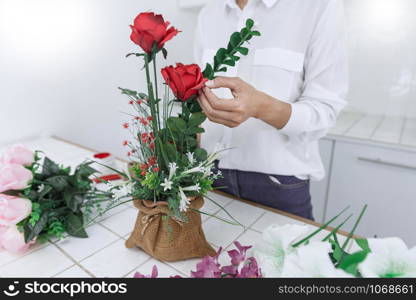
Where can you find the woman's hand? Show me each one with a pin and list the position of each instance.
(248, 102)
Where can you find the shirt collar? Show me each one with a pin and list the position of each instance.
(233, 4)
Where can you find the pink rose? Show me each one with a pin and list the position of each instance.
(18, 154)
(12, 240)
(13, 210)
(14, 177)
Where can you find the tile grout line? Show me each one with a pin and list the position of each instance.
(74, 260)
(360, 117)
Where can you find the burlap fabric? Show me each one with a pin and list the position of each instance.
(169, 239)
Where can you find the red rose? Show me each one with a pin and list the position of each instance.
(149, 29)
(184, 80)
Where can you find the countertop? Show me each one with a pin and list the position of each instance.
(386, 130)
(103, 254)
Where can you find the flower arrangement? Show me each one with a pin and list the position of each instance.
(40, 199)
(167, 166)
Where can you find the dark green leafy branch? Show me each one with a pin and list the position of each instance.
(230, 55)
(60, 200)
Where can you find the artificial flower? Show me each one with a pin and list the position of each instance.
(13, 210)
(167, 185)
(14, 177)
(184, 201)
(311, 261)
(172, 169)
(184, 80)
(149, 30)
(154, 274)
(195, 188)
(190, 156)
(12, 240)
(18, 154)
(276, 245)
(197, 169)
(389, 258)
(208, 267)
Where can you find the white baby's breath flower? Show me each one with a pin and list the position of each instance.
(184, 202)
(167, 185)
(311, 261)
(276, 245)
(195, 188)
(190, 156)
(389, 257)
(172, 169)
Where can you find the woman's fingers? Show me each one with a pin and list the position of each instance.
(220, 117)
(219, 104)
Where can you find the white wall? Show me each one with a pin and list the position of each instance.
(382, 47)
(62, 60)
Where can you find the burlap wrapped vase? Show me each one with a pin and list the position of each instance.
(168, 239)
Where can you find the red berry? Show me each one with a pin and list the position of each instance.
(125, 143)
(126, 125)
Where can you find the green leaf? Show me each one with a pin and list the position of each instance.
(85, 170)
(176, 124)
(200, 154)
(255, 33)
(235, 39)
(245, 32)
(242, 50)
(208, 71)
(350, 262)
(363, 244)
(59, 182)
(223, 69)
(73, 200)
(249, 23)
(75, 226)
(195, 130)
(229, 62)
(197, 119)
(221, 54)
(319, 229)
(31, 232)
(50, 168)
(128, 92)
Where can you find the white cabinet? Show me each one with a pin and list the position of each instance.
(382, 177)
(319, 188)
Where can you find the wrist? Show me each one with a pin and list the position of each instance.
(273, 111)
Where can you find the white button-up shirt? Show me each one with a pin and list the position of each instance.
(301, 59)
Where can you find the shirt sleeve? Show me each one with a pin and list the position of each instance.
(326, 79)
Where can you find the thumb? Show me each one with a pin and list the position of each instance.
(221, 81)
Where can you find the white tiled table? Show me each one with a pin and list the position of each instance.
(103, 254)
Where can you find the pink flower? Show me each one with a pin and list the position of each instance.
(250, 269)
(153, 275)
(18, 154)
(14, 177)
(12, 240)
(208, 267)
(13, 210)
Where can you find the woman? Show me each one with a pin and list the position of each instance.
(275, 105)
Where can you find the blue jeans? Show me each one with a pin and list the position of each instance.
(286, 193)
